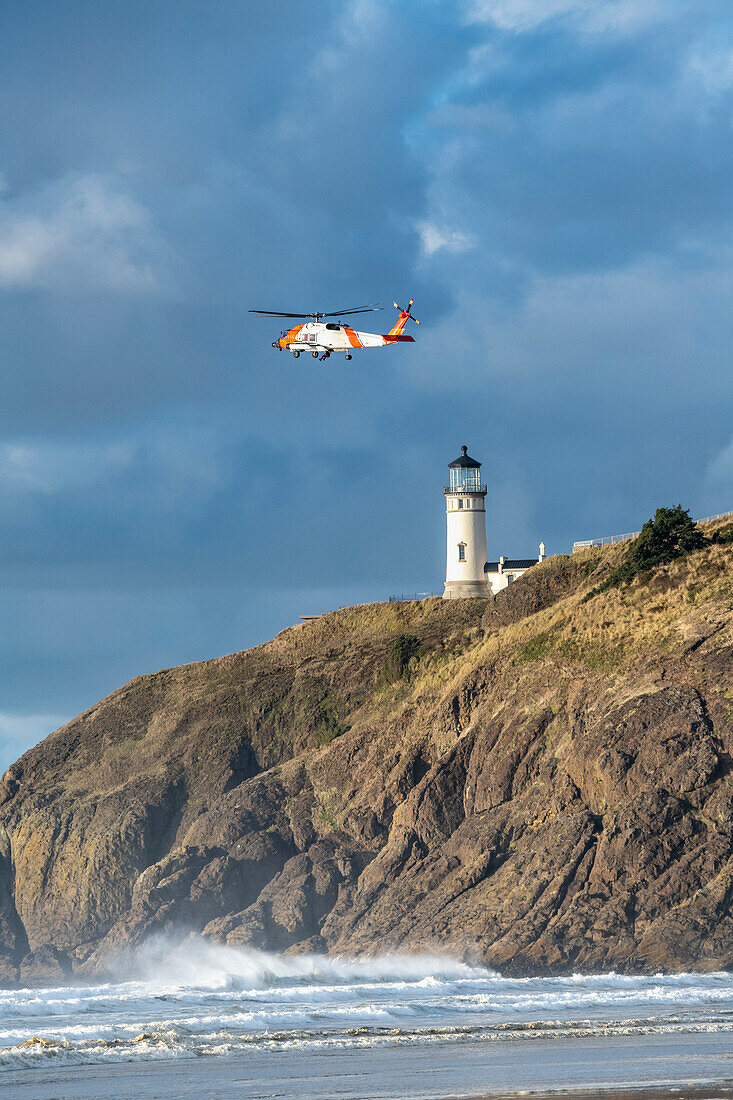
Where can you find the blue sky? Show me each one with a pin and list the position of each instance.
(551, 180)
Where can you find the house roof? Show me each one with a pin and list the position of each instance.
(509, 564)
(464, 461)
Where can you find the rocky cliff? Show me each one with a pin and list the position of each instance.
(536, 781)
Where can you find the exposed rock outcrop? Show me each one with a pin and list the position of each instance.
(545, 784)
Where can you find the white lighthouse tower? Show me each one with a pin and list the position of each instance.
(466, 530)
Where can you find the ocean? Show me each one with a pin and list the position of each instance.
(198, 1020)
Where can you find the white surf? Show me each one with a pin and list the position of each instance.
(191, 998)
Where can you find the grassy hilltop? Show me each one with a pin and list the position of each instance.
(539, 780)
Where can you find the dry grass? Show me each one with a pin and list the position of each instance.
(571, 641)
(314, 685)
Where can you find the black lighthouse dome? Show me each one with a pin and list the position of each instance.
(464, 474)
(464, 461)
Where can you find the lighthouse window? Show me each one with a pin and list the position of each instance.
(467, 480)
(461, 551)
(460, 503)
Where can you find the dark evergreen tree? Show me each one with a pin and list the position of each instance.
(671, 534)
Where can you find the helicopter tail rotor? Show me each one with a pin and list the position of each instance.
(404, 317)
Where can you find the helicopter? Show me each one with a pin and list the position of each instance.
(321, 338)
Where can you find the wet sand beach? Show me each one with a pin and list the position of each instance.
(715, 1091)
(694, 1067)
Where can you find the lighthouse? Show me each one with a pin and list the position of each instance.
(466, 530)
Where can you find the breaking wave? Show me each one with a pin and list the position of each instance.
(195, 998)
(198, 962)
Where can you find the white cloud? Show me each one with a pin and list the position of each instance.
(82, 230)
(363, 17)
(338, 61)
(50, 468)
(711, 68)
(648, 321)
(19, 732)
(521, 15)
(591, 16)
(716, 489)
(720, 470)
(167, 467)
(435, 238)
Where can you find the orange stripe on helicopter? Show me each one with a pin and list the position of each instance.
(291, 335)
(400, 323)
(352, 337)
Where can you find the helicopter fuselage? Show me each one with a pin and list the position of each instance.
(322, 336)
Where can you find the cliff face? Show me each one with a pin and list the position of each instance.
(536, 781)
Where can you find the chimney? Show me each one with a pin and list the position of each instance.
(542, 552)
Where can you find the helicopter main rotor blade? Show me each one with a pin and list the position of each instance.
(274, 313)
(317, 313)
(358, 309)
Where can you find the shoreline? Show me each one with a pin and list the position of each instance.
(588, 1071)
(721, 1089)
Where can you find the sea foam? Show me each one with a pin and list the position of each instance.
(182, 999)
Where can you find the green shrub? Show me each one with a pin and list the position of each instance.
(536, 648)
(331, 727)
(671, 534)
(723, 536)
(397, 665)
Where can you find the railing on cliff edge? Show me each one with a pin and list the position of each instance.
(407, 598)
(609, 540)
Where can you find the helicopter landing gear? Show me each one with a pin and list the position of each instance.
(325, 355)
(347, 357)
(296, 354)
(314, 354)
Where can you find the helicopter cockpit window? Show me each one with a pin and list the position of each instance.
(333, 328)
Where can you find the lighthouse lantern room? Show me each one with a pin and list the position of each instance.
(466, 530)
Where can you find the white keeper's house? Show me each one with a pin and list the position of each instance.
(467, 571)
